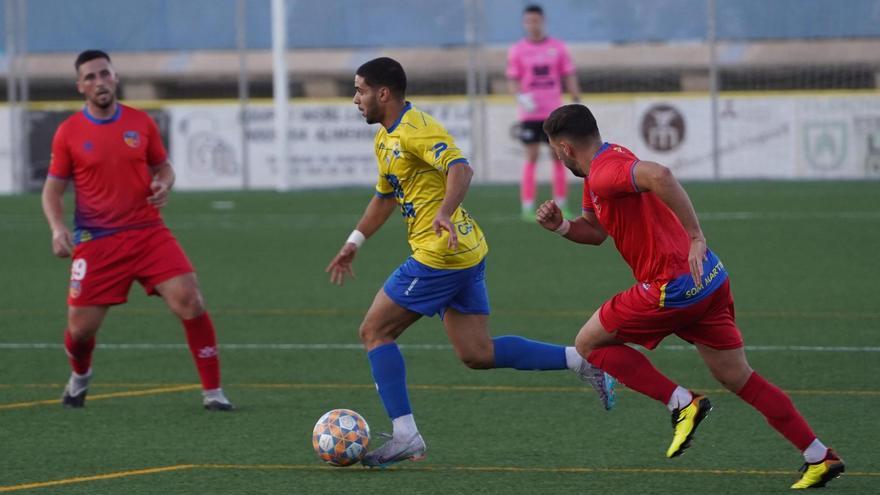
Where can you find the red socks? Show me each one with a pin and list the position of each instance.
(79, 353)
(202, 342)
(778, 409)
(633, 369)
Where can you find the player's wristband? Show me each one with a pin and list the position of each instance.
(563, 227)
(356, 237)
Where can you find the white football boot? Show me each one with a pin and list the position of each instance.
(396, 450)
(602, 382)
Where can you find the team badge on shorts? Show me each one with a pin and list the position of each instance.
(132, 138)
(78, 271)
(75, 288)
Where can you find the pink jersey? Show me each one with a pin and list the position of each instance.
(109, 161)
(647, 233)
(539, 67)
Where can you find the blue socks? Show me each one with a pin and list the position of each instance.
(389, 373)
(512, 351)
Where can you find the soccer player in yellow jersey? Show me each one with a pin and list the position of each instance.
(424, 175)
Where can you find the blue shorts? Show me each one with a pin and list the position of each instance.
(429, 291)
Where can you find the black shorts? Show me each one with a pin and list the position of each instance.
(532, 131)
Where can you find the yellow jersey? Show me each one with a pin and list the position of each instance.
(414, 155)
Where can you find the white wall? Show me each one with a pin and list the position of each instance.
(772, 137)
(808, 136)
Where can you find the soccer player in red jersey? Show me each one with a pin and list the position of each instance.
(122, 177)
(682, 289)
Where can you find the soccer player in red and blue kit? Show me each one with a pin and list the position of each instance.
(121, 176)
(682, 289)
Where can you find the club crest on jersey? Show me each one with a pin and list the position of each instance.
(132, 138)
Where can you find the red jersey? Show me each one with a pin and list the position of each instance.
(647, 233)
(109, 161)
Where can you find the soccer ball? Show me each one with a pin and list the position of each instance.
(341, 437)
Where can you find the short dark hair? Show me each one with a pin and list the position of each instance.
(533, 9)
(384, 71)
(575, 122)
(89, 55)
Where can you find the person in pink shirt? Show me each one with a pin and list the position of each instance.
(537, 68)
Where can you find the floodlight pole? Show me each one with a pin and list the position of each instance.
(712, 38)
(12, 90)
(243, 90)
(17, 92)
(476, 85)
(279, 91)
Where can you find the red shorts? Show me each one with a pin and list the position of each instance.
(103, 269)
(639, 320)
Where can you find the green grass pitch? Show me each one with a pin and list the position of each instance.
(803, 259)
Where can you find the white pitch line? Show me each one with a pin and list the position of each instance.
(747, 215)
(789, 215)
(233, 219)
(411, 347)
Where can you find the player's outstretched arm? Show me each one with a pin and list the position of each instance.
(53, 208)
(376, 214)
(458, 180)
(582, 230)
(651, 176)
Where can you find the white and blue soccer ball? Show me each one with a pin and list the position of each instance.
(341, 437)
